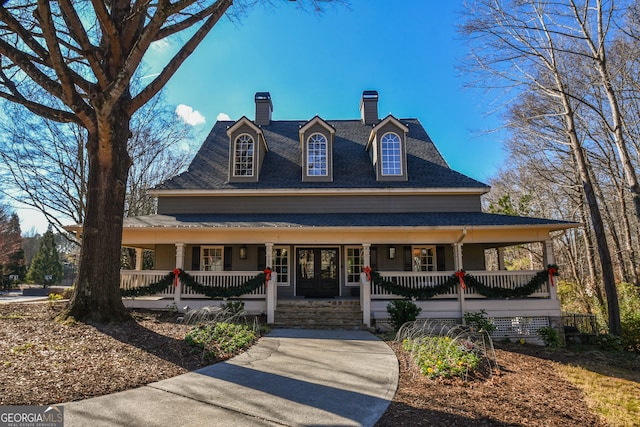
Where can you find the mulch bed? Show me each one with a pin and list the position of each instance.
(44, 362)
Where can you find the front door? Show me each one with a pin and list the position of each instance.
(317, 272)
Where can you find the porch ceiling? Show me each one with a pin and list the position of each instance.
(340, 228)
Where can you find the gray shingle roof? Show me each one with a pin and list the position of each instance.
(430, 219)
(352, 165)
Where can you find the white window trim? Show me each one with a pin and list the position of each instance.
(382, 156)
(202, 250)
(253, 156)
(326, 156)
(346, 265)
(288, 282)
(435, 257)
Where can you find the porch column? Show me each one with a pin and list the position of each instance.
(549, 258)
(271, 285)
(179, 264)
(139, 255)
(458, 265)
(365, 286)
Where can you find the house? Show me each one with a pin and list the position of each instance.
(326, 204)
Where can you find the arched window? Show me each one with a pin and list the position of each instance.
(391, 154)
(243, 156)
(317, 155)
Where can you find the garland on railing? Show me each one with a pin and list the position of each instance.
(153, 288)
(189, 282)
(465, 280)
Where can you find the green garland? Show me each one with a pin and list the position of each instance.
(189, 282)
(153, 288)
(220, 292)
(421, 293)
(496, 293)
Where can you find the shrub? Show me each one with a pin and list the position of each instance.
(629, 296)
(550, 336)
(609, 342)
(479, 321)
(220, 339)
(402, 311)
(234, 308)
(443, 357)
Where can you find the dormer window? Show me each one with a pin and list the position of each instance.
(317, 155)
(391, 153)
(247, 151)
(387, 147)
(243, 156)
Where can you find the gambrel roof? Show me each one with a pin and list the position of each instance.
(352, 166)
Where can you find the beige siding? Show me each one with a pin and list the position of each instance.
(319, 204)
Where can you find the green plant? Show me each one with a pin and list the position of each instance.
(480, 321)
(234, 308)
(629, 296)
(220, 339)
(609, 342)
(550, 336)
(443, 357)
(402, 311)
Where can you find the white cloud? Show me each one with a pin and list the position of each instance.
(160, 45)
(189, 115)
(223, 117)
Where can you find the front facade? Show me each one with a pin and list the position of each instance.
(320, 202)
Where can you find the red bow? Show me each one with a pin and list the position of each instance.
(267, 274)
(367, 270)
(176, 272)
(553, 271)
(460, 275)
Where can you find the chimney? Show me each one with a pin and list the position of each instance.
(264, 107)
(369, 107)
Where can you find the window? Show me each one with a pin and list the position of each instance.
(354, 265)
(424, 258)
(212, 258)
(391, 154)
(281, 265)
(243, 156)
(317, 155)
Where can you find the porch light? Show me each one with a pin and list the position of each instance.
(392, 252)
(243, 252)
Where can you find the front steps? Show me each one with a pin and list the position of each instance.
(319, 314)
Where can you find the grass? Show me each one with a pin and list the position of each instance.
(221, 339)
(613, 397)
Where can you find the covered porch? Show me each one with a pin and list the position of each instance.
(311, 261)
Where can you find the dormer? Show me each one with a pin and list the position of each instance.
(247, 149)
(316, 150)
(387, 147)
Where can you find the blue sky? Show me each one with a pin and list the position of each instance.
(407, 50)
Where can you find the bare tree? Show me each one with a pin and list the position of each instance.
(45, 162)
(530, 45)
(73, 62)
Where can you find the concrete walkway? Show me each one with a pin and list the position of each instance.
(292, 377)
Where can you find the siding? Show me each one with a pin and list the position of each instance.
(318, 204)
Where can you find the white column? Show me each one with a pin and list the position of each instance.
(365, 286)
(139, 255)
(179, 264)
(459, 265)
(549, 258)
(271, 285)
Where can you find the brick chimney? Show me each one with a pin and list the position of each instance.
(369, 107)
(264, 107)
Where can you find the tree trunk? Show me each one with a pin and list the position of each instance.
(97, 293)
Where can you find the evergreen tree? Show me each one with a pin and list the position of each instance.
(11, 253)
(46, 262)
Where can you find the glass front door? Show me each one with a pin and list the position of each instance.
(317, 272)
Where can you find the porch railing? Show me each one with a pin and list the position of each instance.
(130, 279)
(495, 279)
